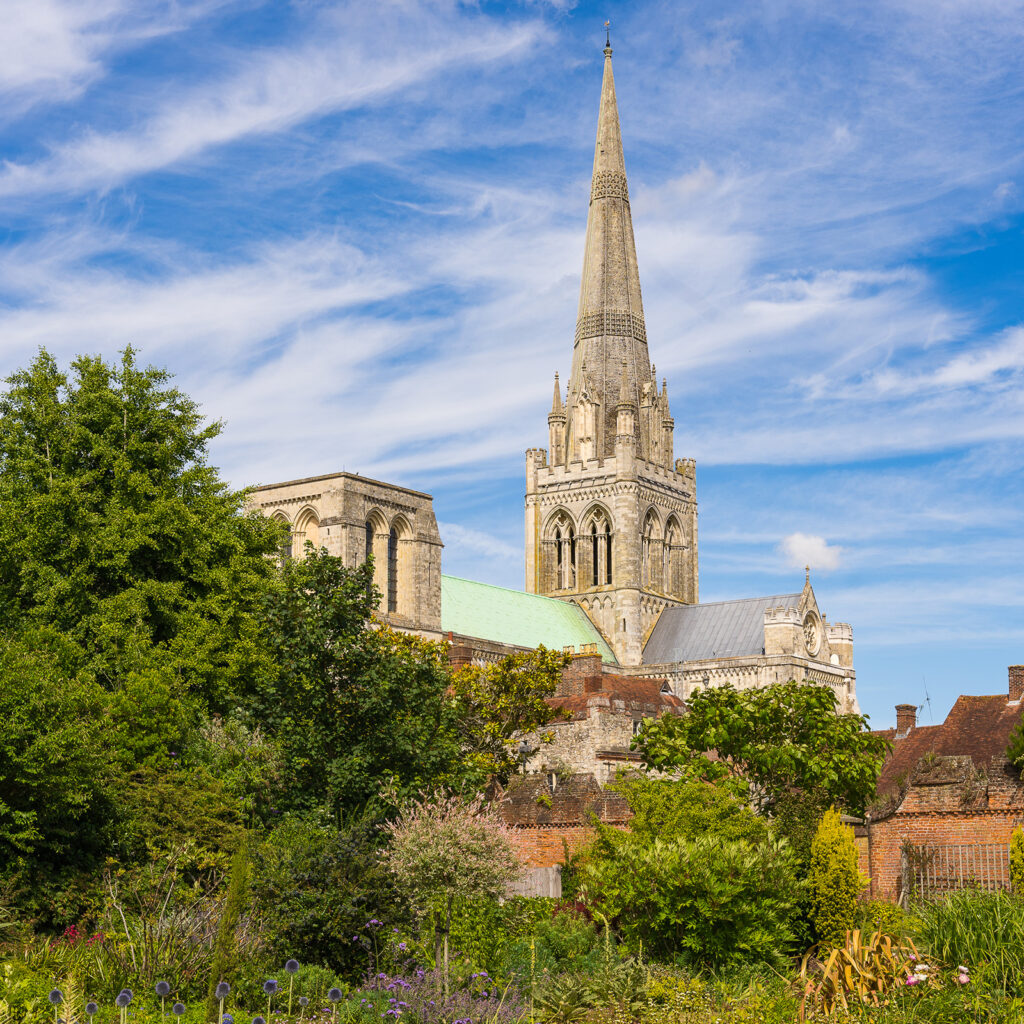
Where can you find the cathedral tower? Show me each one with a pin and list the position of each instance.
(611, 516)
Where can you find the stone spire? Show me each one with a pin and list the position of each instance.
(610, 323)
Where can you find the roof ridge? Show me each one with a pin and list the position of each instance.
(739, 600)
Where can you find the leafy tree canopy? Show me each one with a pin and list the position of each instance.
(783, 739)
(116, 534)
(360, 710)
(674, 808)
(502, 700)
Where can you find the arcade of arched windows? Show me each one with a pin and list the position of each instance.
(577, 559)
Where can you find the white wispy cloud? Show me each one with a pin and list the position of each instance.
(809, 549)
(267, 91)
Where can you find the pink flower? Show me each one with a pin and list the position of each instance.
(963, 979)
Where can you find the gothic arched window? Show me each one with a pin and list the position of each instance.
(597, 530)
(393, 570)
(649, 542)
(674, 558)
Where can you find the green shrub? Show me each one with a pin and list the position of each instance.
(565, 942)
(834, 879)
(982, 930)
(881, 916)
(317, 889)
(708, 902)
(1017, 860)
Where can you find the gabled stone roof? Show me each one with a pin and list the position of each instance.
(721, 629)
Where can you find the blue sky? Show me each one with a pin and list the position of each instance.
(354, 232)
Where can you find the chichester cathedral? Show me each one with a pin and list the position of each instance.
(611, 527)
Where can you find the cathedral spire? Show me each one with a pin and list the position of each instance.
(610, 322)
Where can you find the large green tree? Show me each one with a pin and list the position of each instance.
(779, 741)
(118, 536)
(361, 712)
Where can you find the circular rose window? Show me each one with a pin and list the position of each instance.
(812, 635)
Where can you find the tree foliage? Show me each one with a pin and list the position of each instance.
(118, 536)
(358, 709)
(672, 808)
(834, 880)
(501, 701)
(778, 740)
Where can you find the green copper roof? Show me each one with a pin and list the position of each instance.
(512, 617)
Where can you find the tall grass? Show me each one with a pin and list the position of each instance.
(982, 930)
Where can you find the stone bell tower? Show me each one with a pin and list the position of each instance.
(611, 515)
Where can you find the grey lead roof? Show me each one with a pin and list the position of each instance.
(723, 629)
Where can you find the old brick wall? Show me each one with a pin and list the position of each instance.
(543, 846)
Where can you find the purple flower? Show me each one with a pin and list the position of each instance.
(334, 995)
(291, 966)
(223, 988)
(163, 989)
(257, 1020)
(270, 986)
(91, 1008)
(178, 1009)
(124, 997)
(56, 996)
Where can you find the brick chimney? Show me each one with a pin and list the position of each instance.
(906, 718)
(1016, 673)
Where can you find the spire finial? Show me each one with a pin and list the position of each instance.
(607, 39)
(807, 574)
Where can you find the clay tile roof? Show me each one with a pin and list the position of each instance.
(574, 801)
(976, 727)
(622, 694)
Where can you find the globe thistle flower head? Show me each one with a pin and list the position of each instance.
(163, 989)
(227, 1019)
(303, 1001)
(56, 996)
(178, 1009)
(259, 1020)
(334, 995)
(291, 966)
(223, 988)
(124, 997)
(91, 1008)
(270, 986)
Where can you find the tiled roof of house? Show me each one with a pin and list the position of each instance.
(529, 800)
(722, 629)
(623, 694)
(516, 618)
(976, 727)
